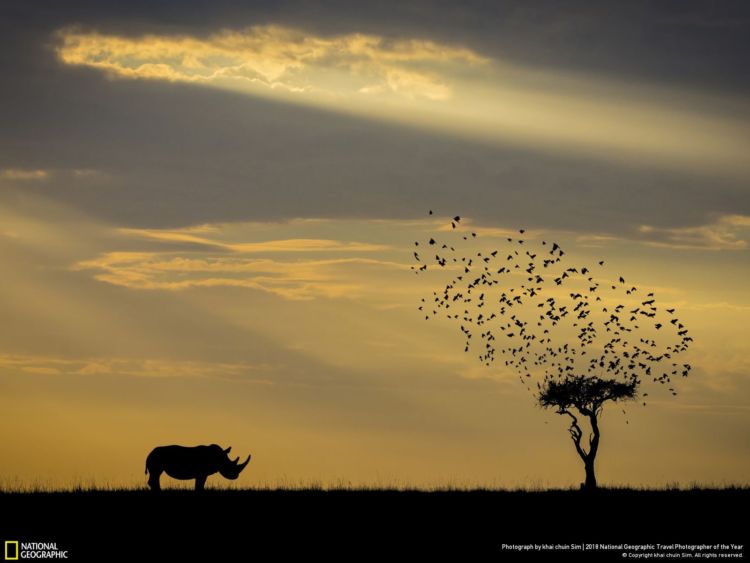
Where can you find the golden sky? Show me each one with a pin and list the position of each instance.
(301, 342)
(206, 234)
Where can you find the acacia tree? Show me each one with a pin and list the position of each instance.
(585, 337)
(587, 396)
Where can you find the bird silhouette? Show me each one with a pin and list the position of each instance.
(598, 328)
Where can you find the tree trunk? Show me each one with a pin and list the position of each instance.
(588, 461)
(588, 457)
(590, 484)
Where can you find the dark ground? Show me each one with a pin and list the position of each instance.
(250, 525)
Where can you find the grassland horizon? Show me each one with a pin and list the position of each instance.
(91, 486)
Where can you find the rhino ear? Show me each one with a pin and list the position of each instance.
(229, 449)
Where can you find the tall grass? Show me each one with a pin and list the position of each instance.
(18, 485)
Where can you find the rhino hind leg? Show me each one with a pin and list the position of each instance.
(200, 482)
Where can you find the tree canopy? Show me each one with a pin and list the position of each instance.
(586, 394)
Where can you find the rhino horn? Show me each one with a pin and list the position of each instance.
(241, 466)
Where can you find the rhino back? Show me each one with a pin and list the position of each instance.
(183, 462)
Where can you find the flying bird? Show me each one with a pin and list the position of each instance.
(597, 339)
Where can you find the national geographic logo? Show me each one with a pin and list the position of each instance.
(11, 550)
(15, 550)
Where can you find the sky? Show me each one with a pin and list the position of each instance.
(208, 212)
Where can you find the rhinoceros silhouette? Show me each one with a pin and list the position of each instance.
(196, 462)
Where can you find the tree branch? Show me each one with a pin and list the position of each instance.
(575, 434)
(594, 440)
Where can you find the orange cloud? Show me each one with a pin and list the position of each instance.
(274, 57)
(283, 245)
(140, 367)
(22, 174)
(302, 279)
(723, 234)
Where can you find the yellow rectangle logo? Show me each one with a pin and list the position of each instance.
(11, 550)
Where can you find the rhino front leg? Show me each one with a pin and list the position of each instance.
(200, 482)
(153, 480)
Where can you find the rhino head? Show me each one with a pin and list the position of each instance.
(231, 468)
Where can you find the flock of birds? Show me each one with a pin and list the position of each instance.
(548, 318)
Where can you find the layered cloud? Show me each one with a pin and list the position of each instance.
(302, 279)
(194, 236)
(725, 232)
(729, 232)
(21, 174)
(138, 367)
(277, 58)
(434, 86)
(221, 256)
